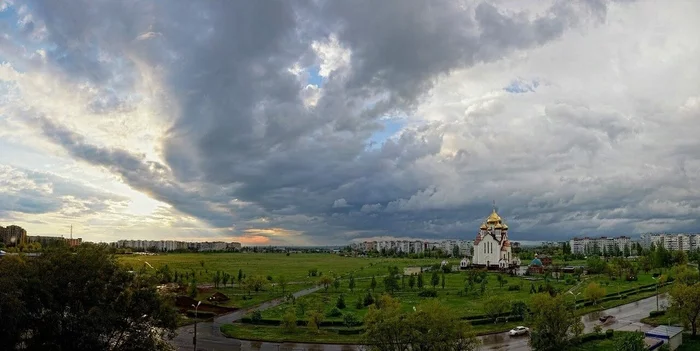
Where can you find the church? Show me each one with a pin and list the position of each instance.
(492, 248)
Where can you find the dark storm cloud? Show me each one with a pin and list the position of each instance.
(240, 130)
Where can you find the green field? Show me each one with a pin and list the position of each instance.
(452, 295)
(295, 268)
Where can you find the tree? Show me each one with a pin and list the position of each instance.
(351, 283)
(81, 299)
(225, 277)
(595, 265)
(282, 282)
(495, 306)
(340, 303)
(552, 322)
(431, 326)
(192, 289)
(240, 275)
(315, 319)
(482, 288)
(336, 284)
(411, 281)
(501, 281)
(443, 281)
(455, 251)
(420, 281)
(391, 284)
(369, 299)
(633, 341)
(685, 303)
(645, 263)
(373, 284)
(626, 251)
(255, 283)
(435, 279)
(326, 281)
(217, 279)
(289, 321)
(594, 292)
(518, 308)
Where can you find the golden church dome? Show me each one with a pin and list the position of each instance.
(483, 226)
(505, 226)
(498, 226)
(493, 218)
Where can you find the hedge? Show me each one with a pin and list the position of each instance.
(201, 314)
(591, 336)
(300, 322)
(350, 331)
(653, 314)
(491, 321)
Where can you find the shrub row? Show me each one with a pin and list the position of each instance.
(656, 313)
(350, 331)
(498, 319)
(300, 322)
(201, 314)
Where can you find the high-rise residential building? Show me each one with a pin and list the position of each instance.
(13, 235)
(672, 242)
(172, 245)
(586, 245)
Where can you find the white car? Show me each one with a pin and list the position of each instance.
(519, 331)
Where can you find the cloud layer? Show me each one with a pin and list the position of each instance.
(316, 122)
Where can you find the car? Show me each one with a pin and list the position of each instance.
(519, 331)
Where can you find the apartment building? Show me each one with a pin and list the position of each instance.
(415, 246)
(672, 242)
(13, 235)
(587, 245)
(172, 245)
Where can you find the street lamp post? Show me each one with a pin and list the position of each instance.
(575, 297)
(194, 339)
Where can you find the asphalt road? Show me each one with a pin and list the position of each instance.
(209, 338)
(627, 318)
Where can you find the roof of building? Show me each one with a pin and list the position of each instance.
(664, 332)
(536, 262)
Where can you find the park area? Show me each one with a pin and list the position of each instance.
(489, 301)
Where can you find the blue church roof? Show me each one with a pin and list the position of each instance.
(536, 262)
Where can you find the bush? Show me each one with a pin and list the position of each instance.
(335, 312)
(428, 293)
(609, 333)
(289, 321)
(369, 299)
(656, 313)
(359, 304)
(514, 288)
(591, 337)
(340, 303)
(350, 320)
(256, 317)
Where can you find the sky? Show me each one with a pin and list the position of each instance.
(324, 122)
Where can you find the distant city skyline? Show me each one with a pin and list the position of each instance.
(297, 123)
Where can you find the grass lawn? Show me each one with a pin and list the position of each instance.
(662, 320)
(600, 345)
(689, 344)
(452, 295)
